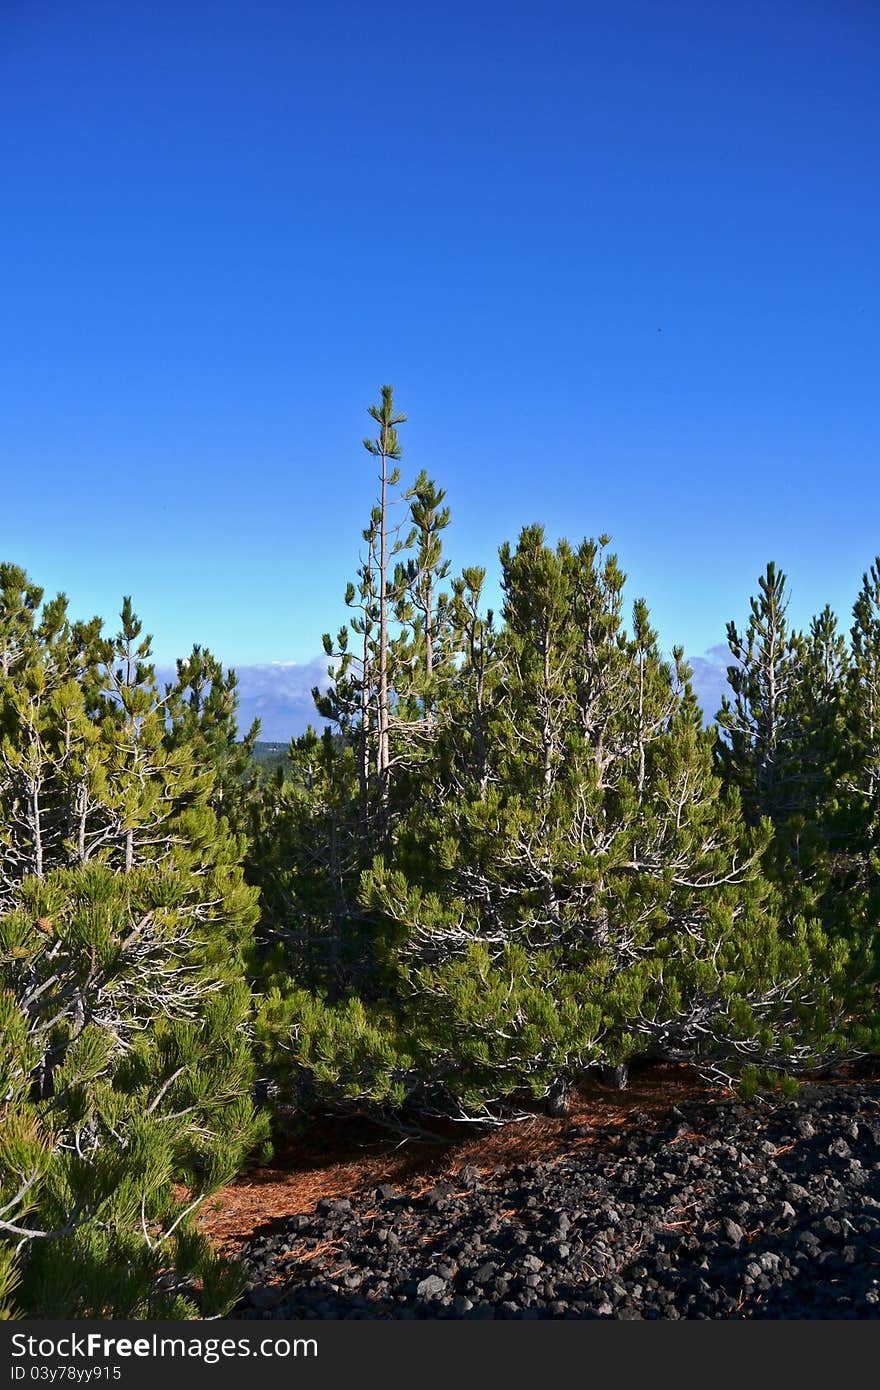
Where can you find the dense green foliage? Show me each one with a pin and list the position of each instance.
(125, 923)
(517, 852)
(521, 853)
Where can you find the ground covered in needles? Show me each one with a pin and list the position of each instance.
(707, 1209)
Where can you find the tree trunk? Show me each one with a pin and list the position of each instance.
(383, 750)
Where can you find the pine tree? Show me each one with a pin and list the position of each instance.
(126, 1066)
(463, 752)
(125, 924)
(760, 753)
(339, 798)
(351, 701)
(387, 449)
(865, 686)
(423, 605)
(49, 768)
(542, 888)
(815, 833)
(19, 603)
(202, 709)
(783, 744)
(860, 780)
(568, 883)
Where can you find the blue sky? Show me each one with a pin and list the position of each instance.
(620, 262)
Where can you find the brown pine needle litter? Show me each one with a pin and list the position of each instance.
(338, 1158)
(346, 1158)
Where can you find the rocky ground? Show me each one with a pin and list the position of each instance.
(716, 1210)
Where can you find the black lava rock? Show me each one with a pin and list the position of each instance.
(730, 1212)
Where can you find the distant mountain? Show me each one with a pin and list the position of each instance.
(279, 693)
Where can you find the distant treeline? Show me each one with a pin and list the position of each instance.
(269, 755)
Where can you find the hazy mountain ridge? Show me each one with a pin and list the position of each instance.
(279, 693)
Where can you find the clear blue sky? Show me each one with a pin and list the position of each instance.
(621, 262)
